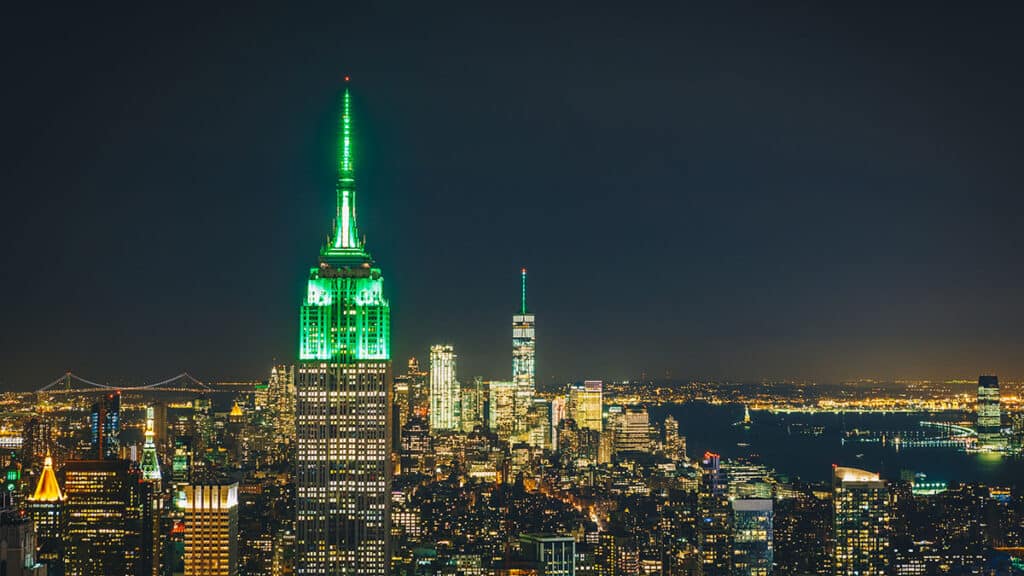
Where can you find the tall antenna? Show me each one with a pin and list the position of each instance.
(524, 291)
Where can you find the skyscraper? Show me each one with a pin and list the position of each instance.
(150, 464)
(752, 537)
(471, 408)
(151, 499)
(104, 518)
(634, 431)
(343, 399)
(989, 413)
(501, 408)
(105, 424)
(445, 392)
(715, 518)
(46, 508)
(861, 522)
(281, 393)
(211, 530)
(586, 404)
(524, 347)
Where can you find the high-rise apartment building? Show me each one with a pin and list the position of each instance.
(445, 391)
(211, 530)
(524, 348)
(104, 509)
(989, 412)
(752, 537)
(343, 399)
(714, 518)
(861, 519)
(675, 445)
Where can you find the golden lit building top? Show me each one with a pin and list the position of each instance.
(236, 410)
(846, 474)
(47, 490)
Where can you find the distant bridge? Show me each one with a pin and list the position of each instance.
(71, 383)
(948, 435)
(955, 429)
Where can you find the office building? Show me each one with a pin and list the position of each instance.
(211, 530)
(524, 348)
(150, 463)
(538, 427)
(445, 391)
(45, 506)
(989, 412)
(343, 399)
(555, 555)
(861, 517)
(18, 546)
(105, 426)
(633, 430)
(752, 537)
(281, 400)
(473, 402)
(103, 510)
(586, 404)
(501, 414)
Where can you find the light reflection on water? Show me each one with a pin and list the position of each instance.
(712, 428)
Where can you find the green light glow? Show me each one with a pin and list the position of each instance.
(345, 316)
(347, 234)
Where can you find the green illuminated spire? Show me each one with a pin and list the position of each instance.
(346, 234)
(524, 292)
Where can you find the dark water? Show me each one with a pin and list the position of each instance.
(708, 427)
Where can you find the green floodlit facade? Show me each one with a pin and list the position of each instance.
(345, 316)
(343, 387)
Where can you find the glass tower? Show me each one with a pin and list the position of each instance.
(343, 396)
(445, 391)
(586, 404)
(752, 537)
(524, 346)
(989, 416)
(861, 518)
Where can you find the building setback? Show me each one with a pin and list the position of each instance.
(343, 399)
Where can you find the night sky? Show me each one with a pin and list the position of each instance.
(743, 191)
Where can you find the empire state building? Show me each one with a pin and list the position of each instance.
(343, 395)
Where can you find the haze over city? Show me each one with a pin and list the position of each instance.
(728, 191)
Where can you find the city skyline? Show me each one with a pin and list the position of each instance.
(772, 250)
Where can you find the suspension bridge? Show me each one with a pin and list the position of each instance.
(73, 384)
